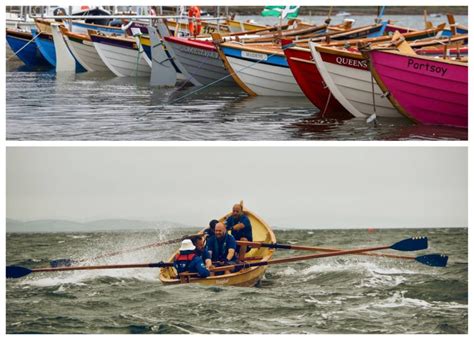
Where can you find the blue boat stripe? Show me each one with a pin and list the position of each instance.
(273, 60)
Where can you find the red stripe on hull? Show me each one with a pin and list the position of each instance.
(205, 45)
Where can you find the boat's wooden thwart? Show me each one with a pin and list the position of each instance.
(246, 277)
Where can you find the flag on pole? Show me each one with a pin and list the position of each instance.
(283, 12)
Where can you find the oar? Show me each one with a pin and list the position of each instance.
(410, 244)
(258, 30)
(17, 271)
(452, 24)
(434, 260)
(69, 262)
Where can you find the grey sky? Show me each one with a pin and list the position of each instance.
(294, 187)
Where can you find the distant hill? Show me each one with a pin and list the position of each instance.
(52, 226)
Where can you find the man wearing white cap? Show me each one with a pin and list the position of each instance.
(188, 261)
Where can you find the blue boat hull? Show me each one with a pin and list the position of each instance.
(45, 44)
(30, 55)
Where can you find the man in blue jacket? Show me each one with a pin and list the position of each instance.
(201, 250)
(222, 245)
(212, 226)
(239, 225)
(188, 261)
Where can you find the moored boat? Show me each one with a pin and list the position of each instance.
(428, 90)
(121, 55)
(82, 48)
(22, 44)
(45, 44)
(201, 60)
(346, 73)
(259, 69)
(246, 277)
(306, 74)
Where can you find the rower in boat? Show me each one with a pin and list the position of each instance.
(240, 227)
(222, 247)
(208, 232)
(188, 261)
(199, 242)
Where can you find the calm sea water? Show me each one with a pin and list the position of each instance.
(350, 294)
(41, 105)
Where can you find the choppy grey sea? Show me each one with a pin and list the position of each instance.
(350, 294)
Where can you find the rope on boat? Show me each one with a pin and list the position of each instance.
(373, 116)
(327, 103)
(225, 77)
(16, 53)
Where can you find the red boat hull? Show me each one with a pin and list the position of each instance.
(311, 83)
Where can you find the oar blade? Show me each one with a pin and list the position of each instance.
(14, 272)
(411, 244)
(61, 263)
(433, 260)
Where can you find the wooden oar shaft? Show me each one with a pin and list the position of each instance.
(300, 258)
(152, 245)
(310, 248)
(112, 266)
(263, 29)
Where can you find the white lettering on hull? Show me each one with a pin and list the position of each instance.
(200, 52)
(254, 55)
(352, 62)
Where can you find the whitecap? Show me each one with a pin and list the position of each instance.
(77, 236)
(398, 299)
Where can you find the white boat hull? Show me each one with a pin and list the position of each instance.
(123, 62)
(352, 87)
(264, 79)
(204, 65)
(87, 55)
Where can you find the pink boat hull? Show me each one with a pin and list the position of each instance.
(427, 90)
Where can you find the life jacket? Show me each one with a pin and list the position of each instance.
(194, 12)
(216, 254)
(182, 261)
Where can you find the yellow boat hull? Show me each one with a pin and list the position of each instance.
(245, 278)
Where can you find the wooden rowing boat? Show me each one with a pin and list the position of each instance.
(431, 91)
(122, 55)
(245, 278)
(82, 48)
(345, 72)
(21, 44)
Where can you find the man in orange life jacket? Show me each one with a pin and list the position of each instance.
(188, 261)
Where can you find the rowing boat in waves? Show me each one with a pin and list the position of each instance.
(247, 277)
